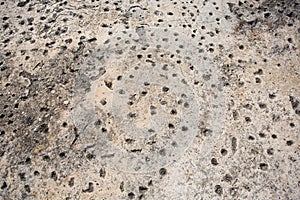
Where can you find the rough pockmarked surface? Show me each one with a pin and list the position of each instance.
(139, 99)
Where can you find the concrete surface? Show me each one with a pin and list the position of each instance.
(140, 99)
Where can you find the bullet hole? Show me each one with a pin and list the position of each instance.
(7, 54)
(272, 96)
(132, 115)
(4, 185)
(68, 41)
(165, 67)
(131, 195)
(274, 136)
(92, 39)
(214, 161)
(102, 172)
(43, 128)
(184, 128)
(23, 3)
(129, 141)
(142, 189)
(62, 154)
(22, 176)
(71, 182)
(275, 118)
(270, 151)
(162, 171)
(53, 175)
(248, 106)
(263, 166)
(233, 191)
(103, 102)
(150, 183)
(186, 105)
(248, 119)
(143, 93)
(153, 112)
(267, 15)
(223, 152)
(108, 84)
(162, 152)
(28, 160)
(136, 150)
(36, 173)
(121, 186)
(262, 105)
(121, 91)
(27, 188)
(90, 156)
(64, 124)
(294, 102)
(152, 107)
(218, 190)
(262, 135)
(251, 137)
(90, 188)
(292, 125)
(119, 78)
(171, 126)
(258, 72)
(227, 178)
(241, 47)
(289, 143)
(173, 112)
(257, 80)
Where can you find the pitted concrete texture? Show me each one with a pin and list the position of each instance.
(140, 99)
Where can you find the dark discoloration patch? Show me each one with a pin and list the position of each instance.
(29, 125)
(270, 14)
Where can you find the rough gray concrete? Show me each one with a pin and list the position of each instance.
(140, 99)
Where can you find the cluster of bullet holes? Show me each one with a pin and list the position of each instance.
(153, 109)
(154, 57)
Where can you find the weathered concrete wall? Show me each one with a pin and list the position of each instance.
(160, 99)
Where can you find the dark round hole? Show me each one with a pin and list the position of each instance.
(162, 171)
